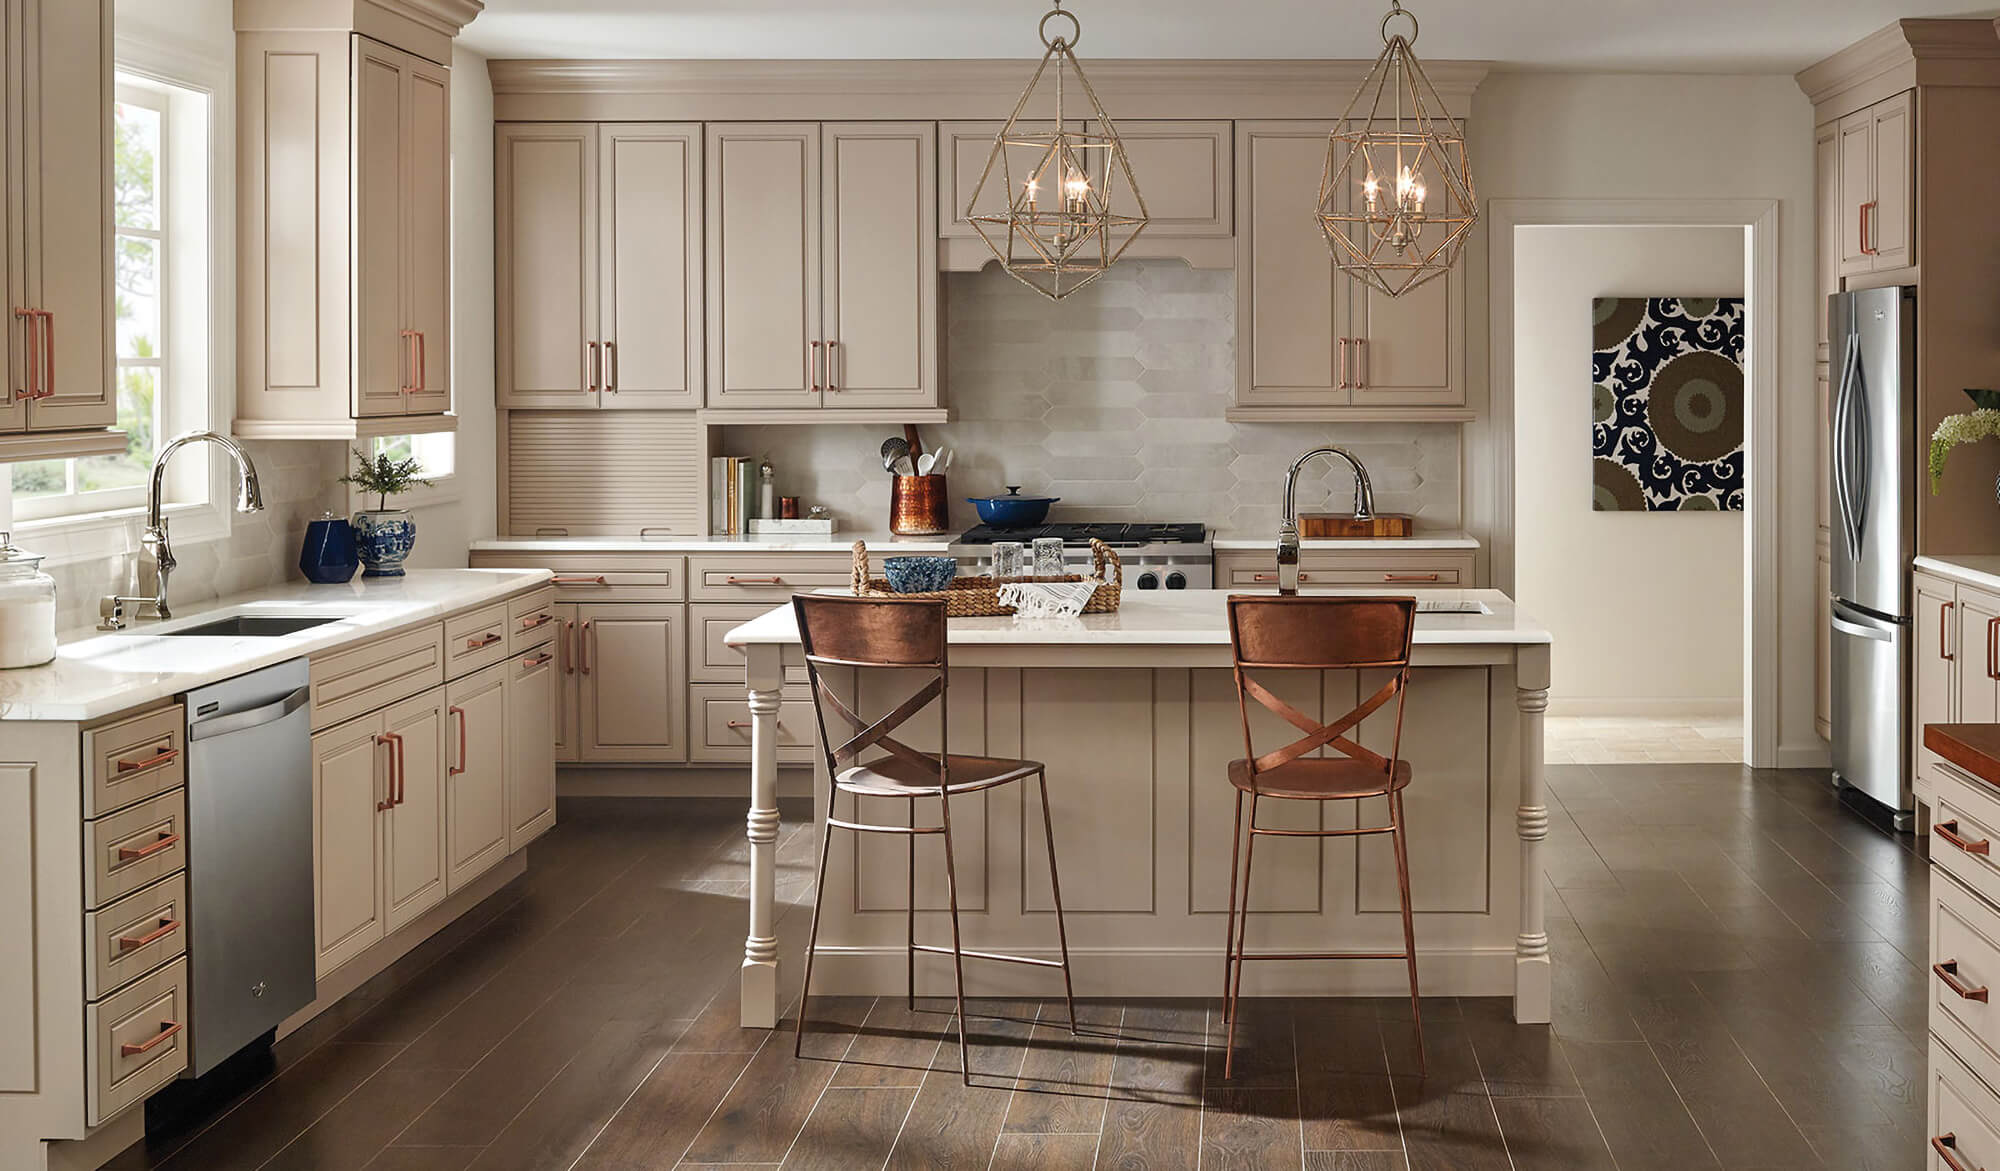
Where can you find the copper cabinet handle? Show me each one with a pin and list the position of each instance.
(611, 364)
(1993, 648)
(1274, 577)
(48, 352)
(738, 724)
(582, 650)
(456, 769)
(1946, 1146)
(569, 650)
(1944, 621)
(1948, 830)
(596, 579)
(168, 925)
(167, 1030)
(1947, 970)
(734, 580)
(1866, 249)
(812, 366)
(831, 358)
(481, 643)
(388, 801)
(590, 367)
(1344, 383)
(409, 337)
(539, 660)
(1409, 577)
(163, 756)
(1361, 363)
(33, 367)
(423, 360)
(134, 853)
(537, 621)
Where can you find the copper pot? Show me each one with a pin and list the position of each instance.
(919, 506)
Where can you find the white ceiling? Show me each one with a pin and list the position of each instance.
(1675, 35)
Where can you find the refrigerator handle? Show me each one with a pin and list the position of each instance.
(1872, 633)
(1844, 450)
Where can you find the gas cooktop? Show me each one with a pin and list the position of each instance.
(1118, 536)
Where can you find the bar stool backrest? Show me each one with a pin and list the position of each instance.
(873, 634)
(1305, 633)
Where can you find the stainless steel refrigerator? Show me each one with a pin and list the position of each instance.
(1875, 470)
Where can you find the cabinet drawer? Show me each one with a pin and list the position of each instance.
(349, 683)
(137, 1042)
(134, 759)
(770, 579)
(619, 585)
(134, 846)
(1390, 570)
(476, 640)
(134, 935)
(720, 721)
(531, 620)
(711, 661)
(1964, 1115)
(1965, 831)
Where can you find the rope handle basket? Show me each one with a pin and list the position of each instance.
(979, 597)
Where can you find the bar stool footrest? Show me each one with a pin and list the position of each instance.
(968, 953)
(1322, 955)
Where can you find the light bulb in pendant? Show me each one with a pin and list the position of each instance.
(1371, 188)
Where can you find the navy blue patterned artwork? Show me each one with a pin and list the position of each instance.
(1667, 404)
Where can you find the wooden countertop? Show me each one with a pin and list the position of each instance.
(1972, 747)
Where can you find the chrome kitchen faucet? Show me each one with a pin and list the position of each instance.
(157, 563)
(1288, 531)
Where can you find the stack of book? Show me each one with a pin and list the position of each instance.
(732, 495)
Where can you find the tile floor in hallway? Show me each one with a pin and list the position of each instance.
(1635, 740)
(1738, 984)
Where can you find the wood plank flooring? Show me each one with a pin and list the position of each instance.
(1738, 984)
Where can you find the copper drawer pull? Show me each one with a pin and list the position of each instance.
(591, 365)
(537, 621)
(569, 648)
(738, 724)
(134, 853)
(388, 801)
(29, 390)
(1944, 626)
(423, 360)
(812, 366)
(595, 580)
(1409, 577)
(582, 649)
(1274, 577)
(1360, 364)
(1946, 1145)
(1948, 830)
(134, 942)
(409, 337)
(831, 388)
(1947, 970)
(1868, 249)
(163, 756)
(539, 660)
(167, 1031)
(1993, 648)
(754, 581)
(48, 352)
(481, 643)
(456, 769)
(611, 364)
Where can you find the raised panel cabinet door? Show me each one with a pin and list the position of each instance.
(1933, 671)
(66, 130)
(633, 659)
(531, 765)
(1892, 222)
(1289, 353)
(414, 828)
(427, 235)
(18, 1015)
(564, 729)
(649, 264)
(1826, 227)
(545, 264)
(350, 771)
(13, 274)
(1855, 146)
(964, 149)
(763, 265)
(880, 265)
(1976, 651)
(384, 357)
(475, 788)
(1446, 804)
(1182, 171)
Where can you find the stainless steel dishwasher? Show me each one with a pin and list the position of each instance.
(250, 859)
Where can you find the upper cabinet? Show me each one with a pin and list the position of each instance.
(598, 261)
(55, 253)
(822, 266)
(1875, 174)
(1313, 343)
(344, 207)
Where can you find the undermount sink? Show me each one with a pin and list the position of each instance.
(253, 626)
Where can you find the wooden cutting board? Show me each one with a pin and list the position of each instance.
(1330, 524)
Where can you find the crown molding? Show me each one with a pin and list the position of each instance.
(704, 90)
(424, 27)
(1901, 56)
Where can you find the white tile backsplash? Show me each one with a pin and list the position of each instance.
(1112, 399)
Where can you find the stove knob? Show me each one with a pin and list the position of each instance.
(1177, 581)
(1149, 581)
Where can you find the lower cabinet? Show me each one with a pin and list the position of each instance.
(476, 823)
(632, 663)
(530, 694)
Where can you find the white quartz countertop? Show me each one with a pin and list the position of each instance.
(1268, 542)
(1188, 618)
(1980, 571)
(839, 542)
(99, 674)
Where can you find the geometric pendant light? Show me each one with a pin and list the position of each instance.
(1395, 200)
(1072, 205)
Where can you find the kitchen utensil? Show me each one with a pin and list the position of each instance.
(328, 556)
(27, 608)
(1012, 511)
(893, 449)
(911, 437)
(919, 575)
(944, 461)
(919, 505)
(1009, 559)
(906, 467)
(926, 463)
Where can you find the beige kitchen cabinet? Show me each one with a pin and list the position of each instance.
(1313, 343)
(475, 778)
(1877, 186)
(633, 661)
(531, 691)
(56, 250)
(413, 827)
(1321, 566)
(568, 688)
(350, 793)
(1976, 647)
(598, 259)
(822, 265)
(963, 151)
(1823, 644)
(1934, 670)
(1826, 231)
(1823, 451)
(344, 237)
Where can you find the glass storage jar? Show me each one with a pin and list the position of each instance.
(27, 608)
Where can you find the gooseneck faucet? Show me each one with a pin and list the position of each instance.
(154, 569)
(1288, 531)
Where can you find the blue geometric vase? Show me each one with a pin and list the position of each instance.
(328, 556)
(384, 539)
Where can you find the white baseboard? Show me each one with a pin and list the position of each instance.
(1645, 708)
(674, 781)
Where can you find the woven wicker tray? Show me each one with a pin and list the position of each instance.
(979, 597)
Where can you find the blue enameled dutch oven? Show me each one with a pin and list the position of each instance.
(1012, 511)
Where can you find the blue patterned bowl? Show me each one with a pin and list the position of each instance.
(919, 575)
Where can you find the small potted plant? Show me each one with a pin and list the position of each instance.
(384, 536)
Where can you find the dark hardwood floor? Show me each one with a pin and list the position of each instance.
(1738, 984)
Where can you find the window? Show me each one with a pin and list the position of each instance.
(161, 308)
(436, 455)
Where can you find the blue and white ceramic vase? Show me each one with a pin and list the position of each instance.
(384, 538)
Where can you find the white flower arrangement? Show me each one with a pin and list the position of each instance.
(1953, 430)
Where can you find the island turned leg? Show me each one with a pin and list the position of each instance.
(765, 671)
(1533, 987)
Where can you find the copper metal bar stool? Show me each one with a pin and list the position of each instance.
(905, 634)
(1317, 634)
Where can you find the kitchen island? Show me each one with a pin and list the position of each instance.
(1135, 715)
